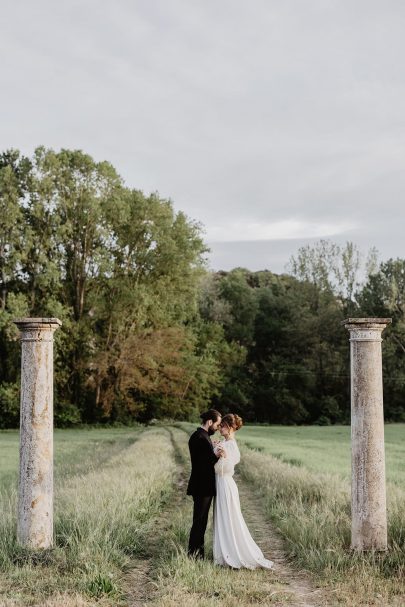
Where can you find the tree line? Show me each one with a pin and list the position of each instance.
(149, 332)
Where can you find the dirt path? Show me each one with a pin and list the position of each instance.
(139, 582)
(303, 592)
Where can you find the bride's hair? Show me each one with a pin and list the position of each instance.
(232, 421)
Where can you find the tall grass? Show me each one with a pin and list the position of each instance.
(312, 511)
(102, 518)
(109, 497)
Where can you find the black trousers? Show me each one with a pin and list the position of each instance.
(201, 509)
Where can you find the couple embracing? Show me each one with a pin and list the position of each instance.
(212, 469)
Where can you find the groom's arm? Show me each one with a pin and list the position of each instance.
(202, 451)
(209, 451)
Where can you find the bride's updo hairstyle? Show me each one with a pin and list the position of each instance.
(232, 421)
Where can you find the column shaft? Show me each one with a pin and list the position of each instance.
(35, 494)
(369, 519)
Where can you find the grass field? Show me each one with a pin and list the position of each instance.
(324, 448)
(114, 486)
(109, 486)
(75, 451)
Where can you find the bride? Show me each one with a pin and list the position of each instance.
(233, 544)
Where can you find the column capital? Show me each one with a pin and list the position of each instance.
(366, 323)
(366, 329)
(30, 324)
(37, 329)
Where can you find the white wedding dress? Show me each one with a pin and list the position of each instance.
(233, 544)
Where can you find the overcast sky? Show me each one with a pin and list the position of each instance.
(274, 123)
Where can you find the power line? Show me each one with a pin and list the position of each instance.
(313, 373)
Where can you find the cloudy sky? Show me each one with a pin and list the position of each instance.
(273, 122)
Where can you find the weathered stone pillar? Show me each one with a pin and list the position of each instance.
(35, 491)
(369, 515)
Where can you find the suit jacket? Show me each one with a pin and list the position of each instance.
(203, 459)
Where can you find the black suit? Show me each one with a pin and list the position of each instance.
(201, 486)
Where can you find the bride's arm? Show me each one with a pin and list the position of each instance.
(237, 455)
(234, 452)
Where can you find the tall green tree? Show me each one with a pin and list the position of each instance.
(384, 296)
(121, 270)
(157, 262)
(13, 186)
(332, 267)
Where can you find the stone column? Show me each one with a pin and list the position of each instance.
(369, 515)
(35, 491)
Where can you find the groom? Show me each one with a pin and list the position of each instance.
(202, 480)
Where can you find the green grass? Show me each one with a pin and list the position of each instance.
(320, 448)
(312, 511)
(75, 451)
(110, 486)
(323, 448)
(302, 475)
